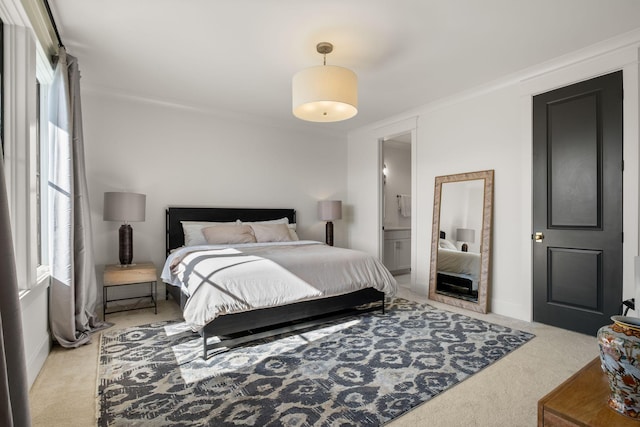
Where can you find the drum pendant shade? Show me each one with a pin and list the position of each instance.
(326, 93)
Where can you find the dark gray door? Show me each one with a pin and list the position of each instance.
(577, 204)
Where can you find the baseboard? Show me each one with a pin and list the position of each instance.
(509, 309)
(37, 359)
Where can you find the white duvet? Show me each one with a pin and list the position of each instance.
(459, 262)
(221, 280)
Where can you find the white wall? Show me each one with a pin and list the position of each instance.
(184, 157)
(490, 128)
(488, 140)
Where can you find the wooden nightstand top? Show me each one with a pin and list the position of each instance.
(581, 401)
(141, 272)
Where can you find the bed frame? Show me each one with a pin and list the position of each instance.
(236, 329)
(456, 283)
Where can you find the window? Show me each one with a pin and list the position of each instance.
(24, 118)
(44, 76)
(38, 175)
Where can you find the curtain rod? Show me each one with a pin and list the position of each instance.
(53, 23)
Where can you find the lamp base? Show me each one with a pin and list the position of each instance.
(464, 248)
(125, 244)
(329, 233)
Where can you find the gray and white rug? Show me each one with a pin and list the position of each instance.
(360, 371)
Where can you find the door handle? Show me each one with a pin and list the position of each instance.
(538, 237)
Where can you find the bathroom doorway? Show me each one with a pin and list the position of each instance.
(397, 206)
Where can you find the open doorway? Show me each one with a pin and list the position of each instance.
(396, 206)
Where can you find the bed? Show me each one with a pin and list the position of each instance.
(238, 288)
(457, 270)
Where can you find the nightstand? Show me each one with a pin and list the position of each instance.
(581, 401)
(134, 274)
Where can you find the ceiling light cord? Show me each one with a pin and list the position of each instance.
(324, 48)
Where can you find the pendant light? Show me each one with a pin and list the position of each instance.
(325, 93)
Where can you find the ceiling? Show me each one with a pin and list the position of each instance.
(237, 57)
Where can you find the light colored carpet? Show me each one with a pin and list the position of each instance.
(504, 394)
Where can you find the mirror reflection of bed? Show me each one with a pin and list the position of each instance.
(461, 239)
(458, 271)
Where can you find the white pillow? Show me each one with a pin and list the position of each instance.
(193, 231)
(292, 227)
(271, 232)
(445, 244)
(284, 220)
(292, 232)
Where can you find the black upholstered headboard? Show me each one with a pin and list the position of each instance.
(175, 234)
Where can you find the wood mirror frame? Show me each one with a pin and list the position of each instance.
(481, 304)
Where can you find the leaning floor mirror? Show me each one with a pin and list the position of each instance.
(461, 240)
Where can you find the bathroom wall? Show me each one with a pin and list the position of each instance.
(397, 158)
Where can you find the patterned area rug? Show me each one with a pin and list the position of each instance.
(364, 370)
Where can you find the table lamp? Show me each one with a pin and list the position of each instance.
(465, 235)
(124, 207)
(329, 210)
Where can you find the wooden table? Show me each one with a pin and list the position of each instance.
(133, 274)
(582, 401)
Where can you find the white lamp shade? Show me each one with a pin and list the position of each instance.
(328, 210)
(126, 207)
(465, 235)
(326, 93)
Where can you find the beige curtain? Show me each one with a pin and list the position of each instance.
(74, 288)
(14, 388)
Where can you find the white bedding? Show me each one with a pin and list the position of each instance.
(220, 279)
(454, 261)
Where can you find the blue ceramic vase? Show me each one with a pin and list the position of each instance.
(620, 359)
